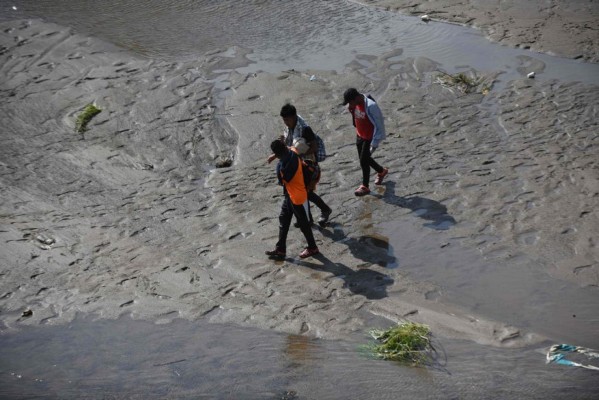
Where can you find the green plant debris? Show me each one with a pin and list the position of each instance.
(407, 342)
(464, 83)
(88, 113)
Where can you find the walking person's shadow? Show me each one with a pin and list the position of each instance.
(375, 250)
(422, 207)
(366, 282)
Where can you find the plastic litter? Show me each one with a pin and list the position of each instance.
(313, 78)
(556, 355)
(425, 18)
(531, 75)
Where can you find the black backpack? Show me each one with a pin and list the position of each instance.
(311, 172)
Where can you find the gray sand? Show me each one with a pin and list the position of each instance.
(131, 217)
(563, 28)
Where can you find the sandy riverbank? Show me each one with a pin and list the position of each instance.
(567, 29)
(127, 219)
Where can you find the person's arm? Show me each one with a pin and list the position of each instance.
(313, 147)
(310, 138)
(278, 170)
(376, 117)
(353, 118)
(287, 137)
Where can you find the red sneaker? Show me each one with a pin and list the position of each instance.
(380, 176)
(309, 252)
(362, 191)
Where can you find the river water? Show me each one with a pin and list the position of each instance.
(280, 35)
(135, 359)
(126, 359)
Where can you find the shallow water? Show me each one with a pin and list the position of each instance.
(516, 291)
(135, 359)
(303, 34)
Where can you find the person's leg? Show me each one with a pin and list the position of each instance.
(297, 224)
(284, 222)
(373, 163)
(381, 171)
(325, 210)
(301, 214)
(381, 174)
(310, 219)
(319, 202)
(366, 159)
(364, 154)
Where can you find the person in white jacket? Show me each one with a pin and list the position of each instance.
(370, 130)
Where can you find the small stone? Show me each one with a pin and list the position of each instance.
(45, 240)
(224, 162)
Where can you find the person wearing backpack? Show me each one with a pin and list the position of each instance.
(290, 175)
(370, 129)
(298, 129)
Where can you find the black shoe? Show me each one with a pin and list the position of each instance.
(276, 253)
(324, 217)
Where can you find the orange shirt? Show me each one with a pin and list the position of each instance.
(296, 186)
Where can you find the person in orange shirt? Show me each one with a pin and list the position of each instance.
(370, 129)
(295, 202)
(297, 129)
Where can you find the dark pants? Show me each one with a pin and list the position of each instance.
(316, 199)
(288, 210)
(366, 161)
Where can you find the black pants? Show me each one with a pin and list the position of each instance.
(366, 161)
(316, 199)
(288, 210)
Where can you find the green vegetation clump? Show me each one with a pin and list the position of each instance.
(464, 83)
(88, 113)
(407, 342)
